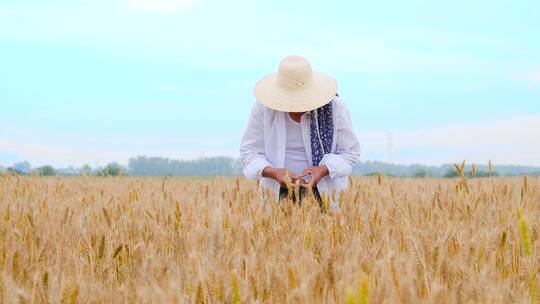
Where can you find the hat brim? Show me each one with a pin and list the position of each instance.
(271, 94)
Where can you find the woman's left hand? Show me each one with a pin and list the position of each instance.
(316, 173)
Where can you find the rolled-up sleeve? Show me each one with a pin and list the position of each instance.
(252, 153)
(347, 151)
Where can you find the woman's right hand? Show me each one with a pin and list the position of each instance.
(280, 175)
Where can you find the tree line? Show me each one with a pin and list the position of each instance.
(228, 166)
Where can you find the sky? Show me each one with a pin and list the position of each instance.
(89, 82)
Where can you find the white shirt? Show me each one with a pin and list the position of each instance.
(264, 144)
(295, 152)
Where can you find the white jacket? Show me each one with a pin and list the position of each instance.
(263, 144)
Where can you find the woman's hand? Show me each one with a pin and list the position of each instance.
(283, 176)
(316, 174)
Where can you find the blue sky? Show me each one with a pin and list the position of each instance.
(96, 81)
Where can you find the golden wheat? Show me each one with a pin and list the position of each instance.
(181, 240)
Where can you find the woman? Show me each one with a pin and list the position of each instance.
(299, 132)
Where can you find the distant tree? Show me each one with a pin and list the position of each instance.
(380, 173)
(85, 170)
(372, 174)
(450, 174)
(421, 173)
(46, 170)
(22, 167)
(12, 170)
(495, 174)
(112, 169)
(481, 174)
(160, 166)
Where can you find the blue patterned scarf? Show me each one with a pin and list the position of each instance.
(321, 132)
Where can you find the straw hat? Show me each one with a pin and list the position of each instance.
(295, 87)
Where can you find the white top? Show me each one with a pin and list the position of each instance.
(295, 152)
(264, 144)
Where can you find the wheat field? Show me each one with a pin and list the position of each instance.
(189, 240)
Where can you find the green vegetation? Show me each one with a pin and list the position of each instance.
(112, 169)
(46, 170)
(208, 166)
(228, 166)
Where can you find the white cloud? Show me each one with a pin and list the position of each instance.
(40, 148)
(528, 78)
(44, 154)
(504, 141)
(161, 6)
(536, 78)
